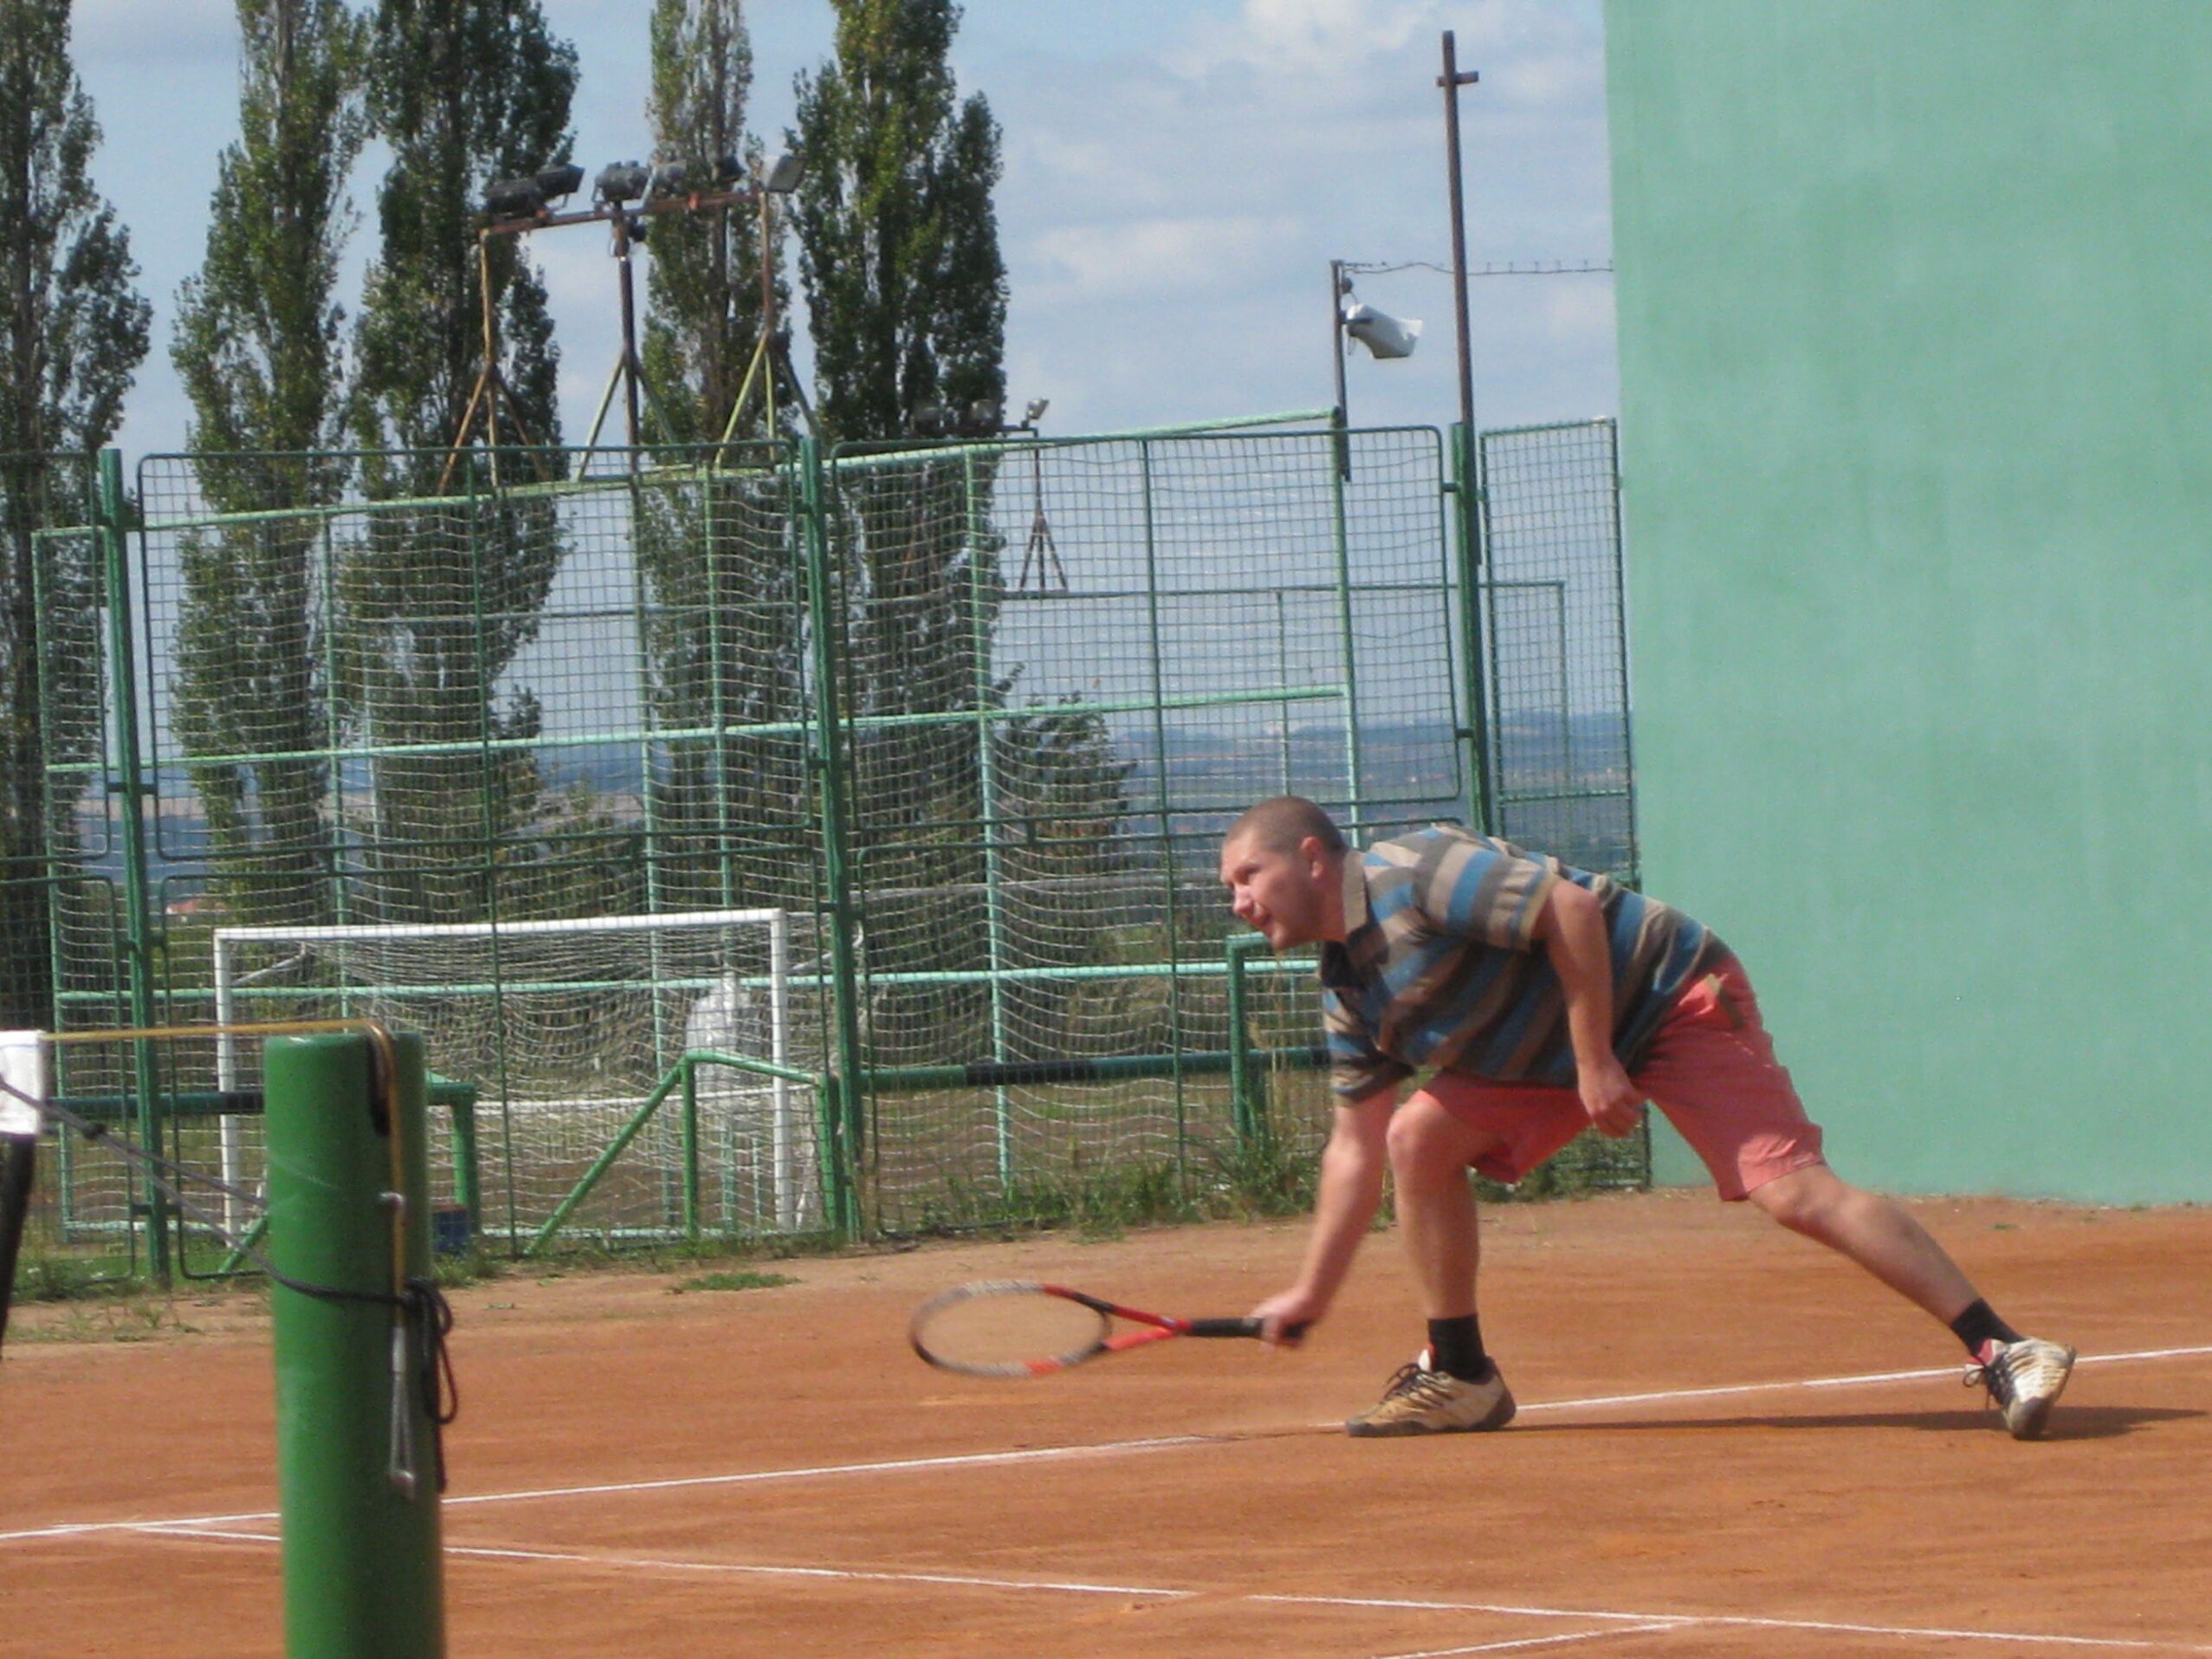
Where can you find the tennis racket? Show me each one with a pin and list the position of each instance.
(1018, 1327)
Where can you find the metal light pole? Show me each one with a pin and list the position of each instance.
(1482, 802)
(1337, 326)
(1451, 80)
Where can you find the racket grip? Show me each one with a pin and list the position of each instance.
(1222, 1328)
(1237, 1328)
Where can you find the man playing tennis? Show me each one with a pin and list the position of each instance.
(1549, 1000)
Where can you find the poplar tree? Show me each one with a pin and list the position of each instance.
(438, 601)
(259, 349)
(723, 634)
(466, 93)
(898, 240)
(906, 297)
(72, 332)
(703, 280)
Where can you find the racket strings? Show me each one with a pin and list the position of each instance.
(1005, 1331)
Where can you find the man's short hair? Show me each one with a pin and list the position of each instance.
(1277, 825)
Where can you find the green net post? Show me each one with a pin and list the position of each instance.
(135, 785)
(459, 1100)
(1464, 487)
(357, 1463)
(842, 1149)
(690, 1075)
(1244, 1086)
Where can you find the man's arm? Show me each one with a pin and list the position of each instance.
(1572, 934)
(1352, 1167)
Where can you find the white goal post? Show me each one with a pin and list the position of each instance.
(452, 961)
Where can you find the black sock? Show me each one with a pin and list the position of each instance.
(1980, 1324)
(1455, 1349)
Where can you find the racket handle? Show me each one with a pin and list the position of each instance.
(1237, 1328)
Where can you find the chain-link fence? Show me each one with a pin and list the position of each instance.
(770, 839)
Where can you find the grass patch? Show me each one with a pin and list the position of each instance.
(111, 1317)
(68, 1279)
(1237, 1180)
(733, 1278)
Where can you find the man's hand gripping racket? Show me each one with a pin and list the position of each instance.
(1017, 1327)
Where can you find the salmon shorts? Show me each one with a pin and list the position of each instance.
(1711, 1070)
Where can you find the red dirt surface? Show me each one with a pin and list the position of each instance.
(841, 1498)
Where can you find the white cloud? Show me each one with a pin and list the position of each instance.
(1305, 37)
(1207, 176)
(1179, 173)
(1156, 259)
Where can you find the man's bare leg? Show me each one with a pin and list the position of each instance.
(1431, 1152)
(1455, 1389)
(2024, 1375)
(1875, 1232)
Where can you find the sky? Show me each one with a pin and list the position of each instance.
(1179, 175)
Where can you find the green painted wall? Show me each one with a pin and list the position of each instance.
(1915, 339)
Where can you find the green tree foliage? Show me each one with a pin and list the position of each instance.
(466, 93)
(898, 240)
(907, 302)
(703, 283)
(724, 634)
(72, 332)
(1062, 798)
(258, 350)
(438, 601)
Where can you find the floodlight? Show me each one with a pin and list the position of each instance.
(669, 178)
(985, 417)
(1384, 335)
(622, 181)
(728, 169)
(1035, 411)
(781, 175)
(932, 420)
(634, 224)
(514, 198)
(553, 183)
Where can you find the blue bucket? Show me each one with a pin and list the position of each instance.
(451, 1234)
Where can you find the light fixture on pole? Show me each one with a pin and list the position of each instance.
(1041, 551)
(778, 175)
(625, 196)
(1385, 336)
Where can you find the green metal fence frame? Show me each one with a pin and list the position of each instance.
(812, 474)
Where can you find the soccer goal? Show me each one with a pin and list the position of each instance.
(571, 1029)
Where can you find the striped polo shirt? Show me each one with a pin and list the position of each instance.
(1438, 966)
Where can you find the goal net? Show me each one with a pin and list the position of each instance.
(568, 1029)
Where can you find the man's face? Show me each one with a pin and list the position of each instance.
(1281, 891)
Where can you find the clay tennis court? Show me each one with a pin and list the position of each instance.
(1731, 1444)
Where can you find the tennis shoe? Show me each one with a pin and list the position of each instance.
(2024, 1378)
(1418, 1401)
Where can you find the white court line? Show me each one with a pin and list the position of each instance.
(958, 1459)
(1745, 1622)
(1622, 1623)
(1860, 1380)
(1527, 1642)
(850, 1575)
(962, 1460)
(1104, 1449)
